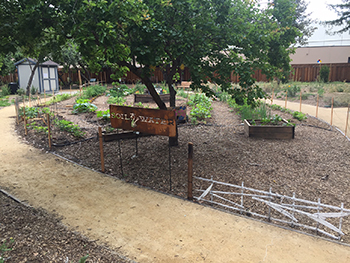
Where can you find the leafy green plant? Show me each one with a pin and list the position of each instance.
(33, 112)
(93, 91)
(324, 73)
(83, 105)
(103, 114)
(21, 92)
(83, 259)
(139, 88)
(299, 115)
(69, 126)
(5, 91)
(5, 248)
(201, 107)
(4, 103)
(120, 91)
(292, 90)
(33, 90)
(116, 100)
(320, 92)
(58, 98)
(182, 93)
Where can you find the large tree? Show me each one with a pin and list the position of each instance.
(343, 20)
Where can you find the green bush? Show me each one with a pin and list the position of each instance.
(33, 90)
(292, 90)
(324, 73)
(249, 112)
(103, 114)
(5, 91)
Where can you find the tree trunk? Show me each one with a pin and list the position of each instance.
(31, 77)
(148, 84)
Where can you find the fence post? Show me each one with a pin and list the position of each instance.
(190, 171)
(300, 102)
(332, 112)
(49, 129)
(17, 110)
(273, 92)
(285, 104)
(25, 121)
(101, 149)
(347, 119)
(317, 105)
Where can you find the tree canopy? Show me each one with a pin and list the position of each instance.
(213, 38)
(343, 20)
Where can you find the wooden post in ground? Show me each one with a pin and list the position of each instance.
(48, 129)
(37, 98)
(273, 92)
(332, 112)
(347, 119)
(70, 89)
(17, 110)
(105, 78)
(80, 84)
(300, 102)
(44, 95)
(190, 171)
(318, 97)
(30, 105)
(285, 104)
(101, 149)
(25, 121)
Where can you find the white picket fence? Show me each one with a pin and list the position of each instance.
(278, 207)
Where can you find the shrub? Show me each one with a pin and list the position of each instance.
(5, 91)
(292, 90)
(21, 92)
(33, 90)
(120, 91)
(324, 73)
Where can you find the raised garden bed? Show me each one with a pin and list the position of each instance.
(146, 98)
(280, 131)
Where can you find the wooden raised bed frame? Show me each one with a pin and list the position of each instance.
(269, 131)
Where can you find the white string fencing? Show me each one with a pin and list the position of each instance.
(295, 212)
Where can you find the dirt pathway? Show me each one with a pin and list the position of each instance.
(339, 114)
(147, 226)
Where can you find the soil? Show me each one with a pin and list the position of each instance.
(313, 165)
(40, 237)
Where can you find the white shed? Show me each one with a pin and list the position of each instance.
(45, 76)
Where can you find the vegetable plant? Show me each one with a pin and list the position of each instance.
(69, 126)
(103, 114)
(83, 105)
(299, 116)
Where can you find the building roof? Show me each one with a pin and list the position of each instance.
(33, 62)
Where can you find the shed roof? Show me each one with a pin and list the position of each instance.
(33, 61)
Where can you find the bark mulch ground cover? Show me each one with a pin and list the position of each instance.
(313, 165)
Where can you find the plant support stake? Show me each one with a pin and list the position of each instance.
(190, 171)
(317, 105)
(285, 104)
(48, 129)
(300, 102)
(347, 120)
(101, 149)
(332, 112)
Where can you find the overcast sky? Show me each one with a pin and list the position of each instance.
(320, 11)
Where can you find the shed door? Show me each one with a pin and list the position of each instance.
(49, 79)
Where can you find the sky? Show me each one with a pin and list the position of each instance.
(319, 9)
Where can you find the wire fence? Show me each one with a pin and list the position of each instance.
(274, 207)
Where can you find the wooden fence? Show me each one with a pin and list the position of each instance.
(300, 72)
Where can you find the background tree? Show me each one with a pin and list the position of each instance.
(343, 13)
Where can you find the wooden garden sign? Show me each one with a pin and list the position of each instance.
(151, 121)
